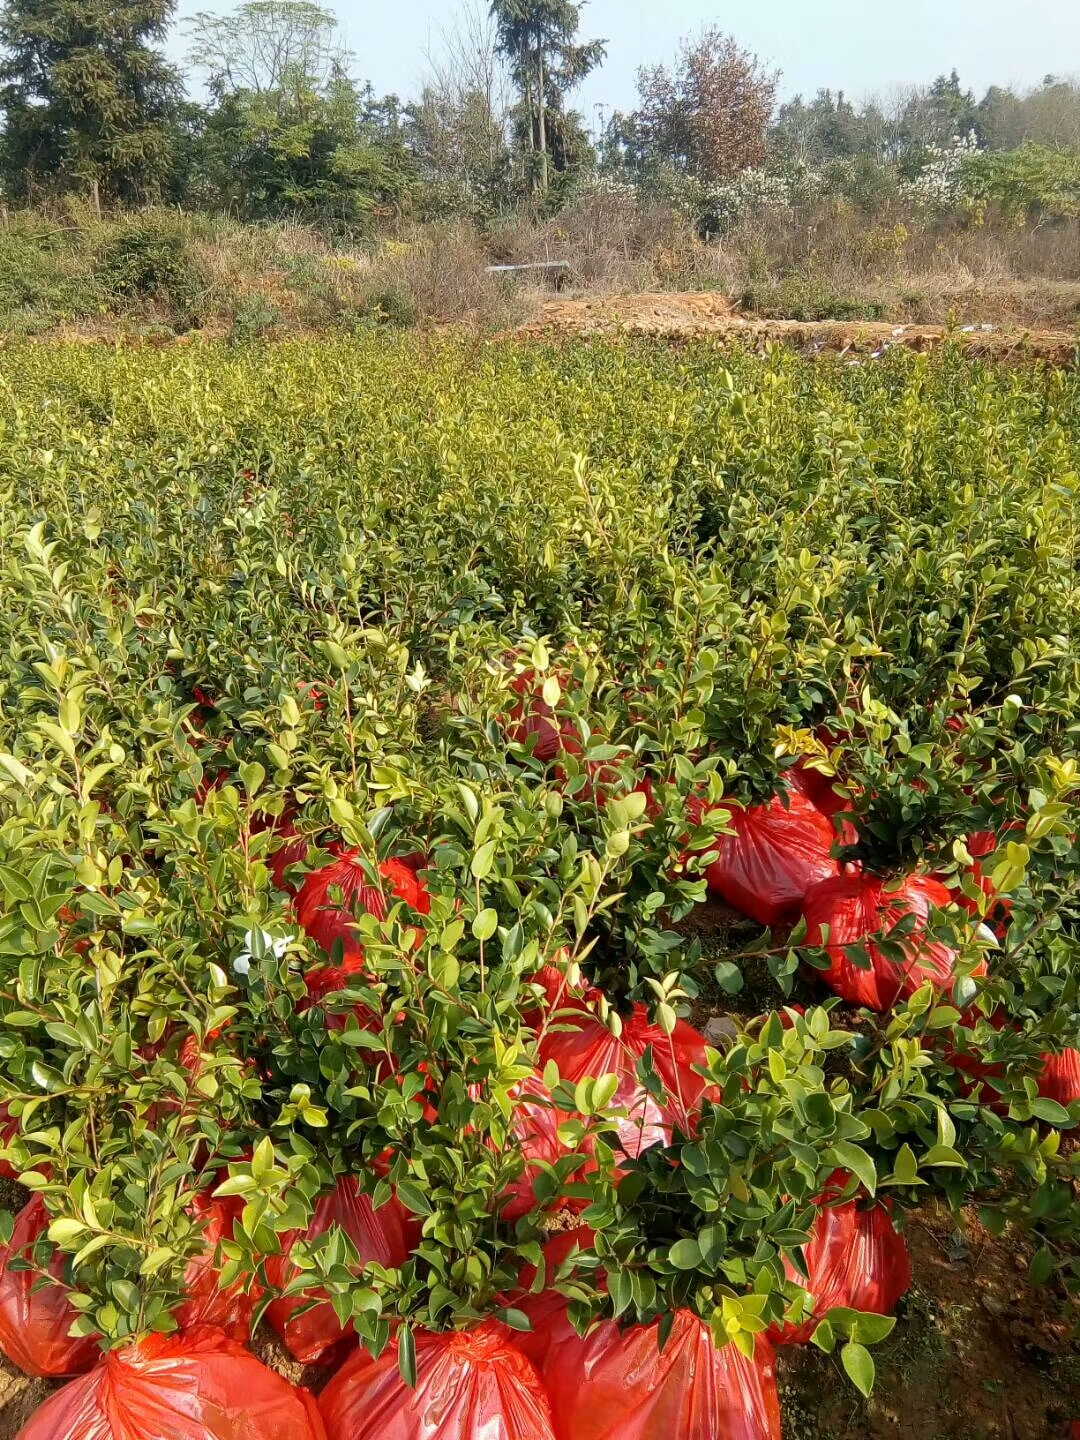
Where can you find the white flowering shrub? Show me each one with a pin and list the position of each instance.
(940, 184)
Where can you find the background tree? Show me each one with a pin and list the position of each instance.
(291, 132)
(1048, 115)
(547, 62)
(265, 45)
(931, 117)
(87, 98)
(710, 115)
(458, 129)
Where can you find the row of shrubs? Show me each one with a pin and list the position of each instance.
(275, 638)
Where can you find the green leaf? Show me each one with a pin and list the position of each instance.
(236, 1185)
(485, 924)
(1049, 1110)
(852, 1157)
(413, 1198)
(869, 1329)
(621, 1291)
(824, 1337)
(944, 1155)
(859, 1365)
(445, 969)
(16, 769)
(92, 1246)
(907, 1167)
(158, 1257)
(407, 1356)
(262, 1161)
(1041, 1267)
(483, 860)
(685, 1255)
(729, 977)
(64, 1230)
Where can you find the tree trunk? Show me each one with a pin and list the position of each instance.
(541, 128)
(527, 175)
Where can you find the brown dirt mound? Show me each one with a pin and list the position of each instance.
(685, 315)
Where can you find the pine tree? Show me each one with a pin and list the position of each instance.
(87, 98)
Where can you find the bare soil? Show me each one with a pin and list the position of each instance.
(977, 1354)
(686, 315)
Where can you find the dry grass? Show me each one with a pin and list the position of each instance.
(253, 281)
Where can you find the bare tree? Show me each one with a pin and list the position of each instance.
(466, 59)
(459, 127)
(265, 45)
(710, 115)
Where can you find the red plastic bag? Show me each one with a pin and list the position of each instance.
(326, 922)
(536, 1127)
(859, 908)
(385, 1236)
(207, 1303)
(548, 1311)
(34, 1322)
(581, 1046)
(292, 850)
(618, 1385)
(822, 793)
(196, 1386)
(857, 1259)
(777, 854)
(472, 1385)
(982, 844)
(532, 721)
(1060, 1077)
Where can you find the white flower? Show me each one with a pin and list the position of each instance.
(265, 944)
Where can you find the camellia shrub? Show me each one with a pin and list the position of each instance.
(376, 718)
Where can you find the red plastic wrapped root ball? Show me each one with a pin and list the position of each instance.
(1060, 1077)
(618, 1385)
(776, 855)
(534, 723)
(581, 1047)
(857, 1260)
(471, 1385)
(291, 851)
(536, 1127)
(228, 1309)
(34, 1322)
(384, 1237)
(857, 909)
(326, 921)
(548, 1311)
(822, 793)
(199, 1385)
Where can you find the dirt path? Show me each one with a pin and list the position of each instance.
(683, 315)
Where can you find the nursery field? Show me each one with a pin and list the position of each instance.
(539, 893)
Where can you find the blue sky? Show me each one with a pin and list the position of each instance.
(862, 46)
